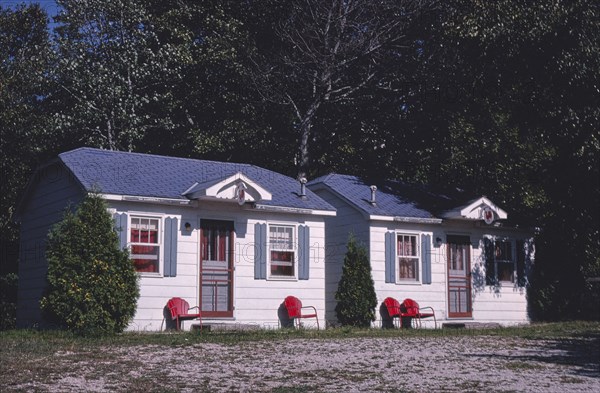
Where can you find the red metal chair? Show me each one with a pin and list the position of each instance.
(410, 308)
(393, 308)
(294, 308)
(180, 311)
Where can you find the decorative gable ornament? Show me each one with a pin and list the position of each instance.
(240, 193)
(488, 215)
(478, 209)
(238, 187)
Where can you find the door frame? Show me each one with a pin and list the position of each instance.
(230, 226)
(464, 240)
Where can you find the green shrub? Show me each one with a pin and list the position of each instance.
(92, 284)
(8, 301)
(356, 291)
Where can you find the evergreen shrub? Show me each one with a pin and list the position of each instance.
(92, 283)
(356, 299)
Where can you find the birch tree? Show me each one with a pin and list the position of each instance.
(326, 53)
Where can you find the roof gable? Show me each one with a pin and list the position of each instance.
(238, 187)
(478, 209)
(403, 202)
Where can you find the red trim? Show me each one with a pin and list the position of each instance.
(460, 289)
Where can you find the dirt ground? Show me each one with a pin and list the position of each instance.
(401, 364)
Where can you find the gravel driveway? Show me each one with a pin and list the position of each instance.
(402, 364)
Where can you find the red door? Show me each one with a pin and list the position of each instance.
(459, 276)
(216, 268)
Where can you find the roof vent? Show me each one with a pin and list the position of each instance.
(373, 189)
(302, 181)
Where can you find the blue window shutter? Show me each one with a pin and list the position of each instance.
(170, 243)
(426, 258)
(390, 257)
(120, 220)
(490, 265)
(260, 251)
(303, 252)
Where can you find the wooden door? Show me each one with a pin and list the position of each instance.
(216, 268)
(459, 277)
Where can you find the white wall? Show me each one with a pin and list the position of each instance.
(506, 305)
(338, 228)
(255, 301)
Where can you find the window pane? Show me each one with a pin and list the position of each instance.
(407, 245)
(145, 258)
(408, 268)
(281, 238)
(503, 251)
(506, 271)
(144, 230)
(282, 263)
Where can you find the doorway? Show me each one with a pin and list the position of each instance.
(216, 268)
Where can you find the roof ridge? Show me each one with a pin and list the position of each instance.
(99, 150)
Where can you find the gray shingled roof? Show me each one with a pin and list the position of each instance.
(393, 198)
(146, 175)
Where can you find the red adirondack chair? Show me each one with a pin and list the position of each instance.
(180, 312)
(294, 308)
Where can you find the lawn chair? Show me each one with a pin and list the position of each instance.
(294, 308)
(180, 312)
(410, 308)
(393, 308)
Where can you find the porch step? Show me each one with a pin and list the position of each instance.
(470, 325)
(226, 327)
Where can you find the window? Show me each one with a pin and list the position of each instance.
(500, 261)
(408, 258)
(282, 251)
(145, 244)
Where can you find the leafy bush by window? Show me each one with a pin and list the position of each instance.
(92, 284)
(356, 291)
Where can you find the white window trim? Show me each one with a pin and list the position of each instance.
(161, 228)
(271, 277)
(513, 250)
(399, 281)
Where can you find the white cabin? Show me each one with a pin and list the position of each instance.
(459, 258)
(233, 239)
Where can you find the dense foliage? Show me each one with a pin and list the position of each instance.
(93, 285)
(496, 98)
(355, 296)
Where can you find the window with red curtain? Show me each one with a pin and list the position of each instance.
(281, 245)
(145, 244)
(408, 258)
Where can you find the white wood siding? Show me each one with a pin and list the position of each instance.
(506, 305)
(338, 228)
(432, 295)
(255, 301)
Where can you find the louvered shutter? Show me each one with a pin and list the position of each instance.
(426, 258)
(303, 252)
(390, 257)
(260, 251)
(170, 244)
